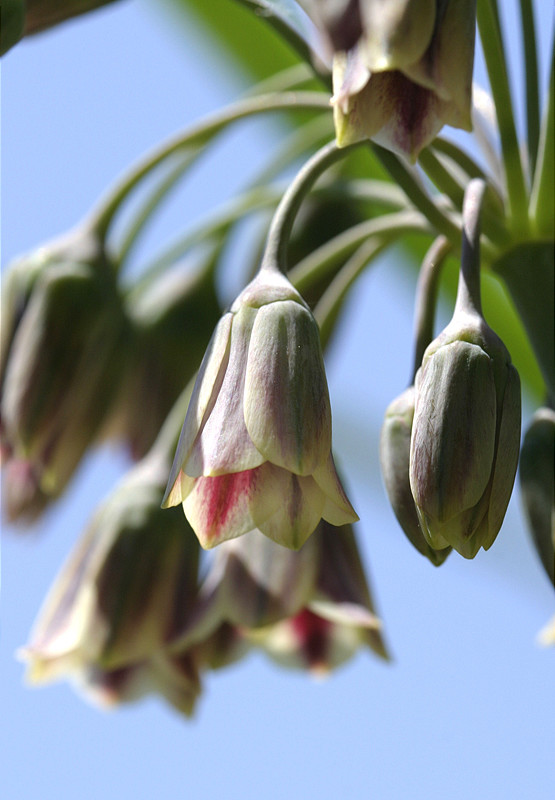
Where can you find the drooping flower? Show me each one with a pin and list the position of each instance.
(255, 449)
(537, 482)
(124, 591)
(337, 618)
(64, 337)
(466, 431)
(409, 74)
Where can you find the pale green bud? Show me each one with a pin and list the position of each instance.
(465, 437)
(395, 460)
(537, 482)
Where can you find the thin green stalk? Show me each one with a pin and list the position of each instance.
(299, 142)
(403, 176)
(275, 253)
(199, 134)
(216, 225)
(469, 296)
(150, 206)
(328, 307)
(450, 185)
(542, 204)
(323, 260)
(426, 298)
(532, 82)
(284, 81)
(492, 43)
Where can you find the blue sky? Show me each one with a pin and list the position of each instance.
(466, 709)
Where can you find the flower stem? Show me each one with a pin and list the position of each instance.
(196, 136)
(426, 298)
(468, 294)
(325, 259)
(417, 195)
(542, 205)
(532, 86)
(492, 43)
(275, 254)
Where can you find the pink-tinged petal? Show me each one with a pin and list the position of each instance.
(205, 392)
(286, 406)
(337, 508)
(298, 514)
(223, 444)
(226, 506)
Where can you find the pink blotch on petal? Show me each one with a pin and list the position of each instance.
(313, 635)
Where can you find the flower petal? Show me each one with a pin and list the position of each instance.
(205, 391)
(226, 506)
(287, 409)
(337, 509)
(223, 444)
(298, 514)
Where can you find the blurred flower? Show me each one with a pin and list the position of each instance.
(317, 598)
(537, 482)
(395, 461)
(172, 318)
(255, 450)
(336, 620)
(64, 341)
(409, 74)
(124, 591)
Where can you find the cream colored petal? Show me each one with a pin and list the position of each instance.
(223, 444)
(205, 392)
(396, 33)
(286, 406)
(298, 514)
(337, 508)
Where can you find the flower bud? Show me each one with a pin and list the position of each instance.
(172, 319)
(124, 591)
(465, 437)
(395, 460)
(255, 450)
(63, 347)
(409, 74)
(537, 483)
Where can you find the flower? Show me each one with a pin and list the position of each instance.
(409, 74)
(537, 482)
(465, 437)
(255, 449)
(337, 618)
(317, 598)
(395, 461)
(124, 591)
(64, 337)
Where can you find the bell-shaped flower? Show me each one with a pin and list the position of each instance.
(395, 461)
(537, 483)
(64, 337)
(337, 618)
(255, 449)
(409, 74)
(125, 590)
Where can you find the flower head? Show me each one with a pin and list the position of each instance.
(123, 592)
(409, 74)
(63, 346)
(255, 449)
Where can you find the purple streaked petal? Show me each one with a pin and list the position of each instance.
(223, 444)
(286, 407)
